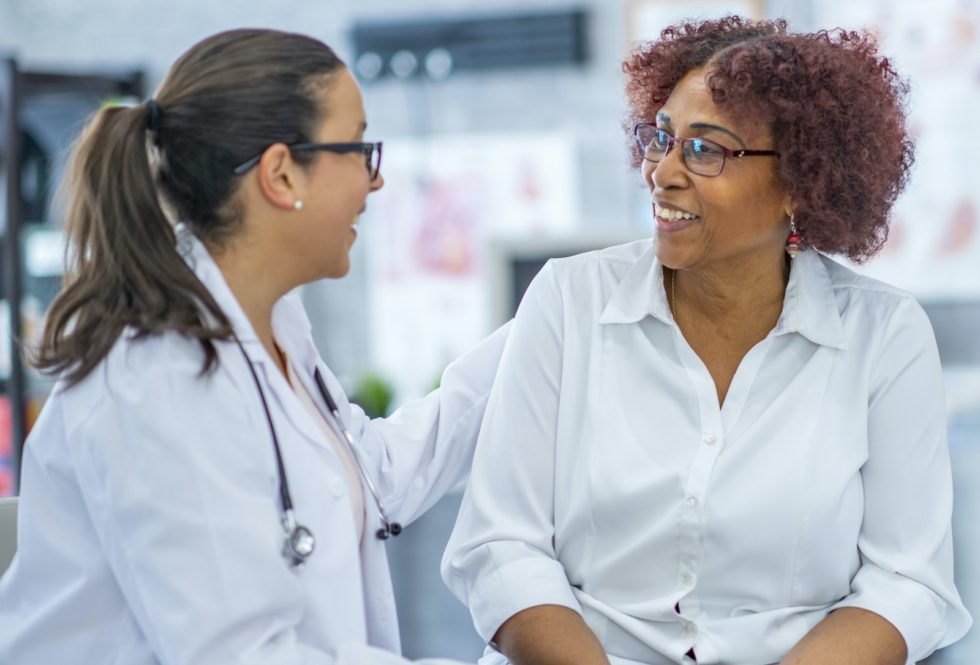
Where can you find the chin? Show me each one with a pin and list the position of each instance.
(670, 259)
(676, 255)
(337, 271)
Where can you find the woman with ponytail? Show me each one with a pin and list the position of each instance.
(197, 489)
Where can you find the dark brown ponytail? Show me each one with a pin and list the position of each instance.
(225, 100)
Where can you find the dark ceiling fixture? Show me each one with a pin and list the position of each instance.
(438, 47)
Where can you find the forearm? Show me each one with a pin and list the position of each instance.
(850, 636)
(549, 635)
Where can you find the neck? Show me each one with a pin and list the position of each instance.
(256, 286)
(753, 288)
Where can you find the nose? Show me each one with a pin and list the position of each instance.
(669, 172)
(378, 182)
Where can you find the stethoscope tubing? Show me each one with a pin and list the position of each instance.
(388, 528)
(300, 542)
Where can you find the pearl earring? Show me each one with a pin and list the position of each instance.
(297, 204)
(793, 239)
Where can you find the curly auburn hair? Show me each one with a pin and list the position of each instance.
(836, 109)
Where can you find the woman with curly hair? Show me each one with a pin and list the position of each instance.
(724, 446)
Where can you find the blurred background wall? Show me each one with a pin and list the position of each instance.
(489, 172)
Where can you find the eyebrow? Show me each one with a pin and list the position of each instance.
(705, 125)
(665, 119)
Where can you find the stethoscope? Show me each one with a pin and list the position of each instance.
(299, 541)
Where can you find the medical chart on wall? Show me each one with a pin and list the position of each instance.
(426, 238)
(934, 246)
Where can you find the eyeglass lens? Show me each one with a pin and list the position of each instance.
(372, 157)
(699, 155)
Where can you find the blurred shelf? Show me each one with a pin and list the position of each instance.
(41, 114)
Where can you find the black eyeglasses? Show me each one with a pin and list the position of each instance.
(372, 155)
(700, 156)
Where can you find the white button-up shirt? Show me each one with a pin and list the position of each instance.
(608, 480)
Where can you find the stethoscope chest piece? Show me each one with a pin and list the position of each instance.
(299, 545)
(299, 541)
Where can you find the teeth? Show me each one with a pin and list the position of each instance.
(665, 213)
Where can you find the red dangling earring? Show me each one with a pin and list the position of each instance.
(793, 239)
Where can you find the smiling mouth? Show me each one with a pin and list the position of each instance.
(672, 214)
(670, 219)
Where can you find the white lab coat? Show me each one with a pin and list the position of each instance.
(150, 519)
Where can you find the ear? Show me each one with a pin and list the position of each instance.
(789, 207)
(278, 176)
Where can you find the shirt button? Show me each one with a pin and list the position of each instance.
(686, 578)
(688, 627)
(692, 501)
(710, 439)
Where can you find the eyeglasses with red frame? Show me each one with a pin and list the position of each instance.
(700, 156)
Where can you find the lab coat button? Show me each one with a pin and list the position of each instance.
(686, 578)
(692, 501)
(710, 439)
(337, 487)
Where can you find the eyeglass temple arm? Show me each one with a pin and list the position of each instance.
(753, 153)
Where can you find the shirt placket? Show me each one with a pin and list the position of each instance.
(714, 422)
(709, 442)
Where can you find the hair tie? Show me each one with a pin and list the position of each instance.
(153, 118)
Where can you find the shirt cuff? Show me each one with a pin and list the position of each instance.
(914, 610)
(516, 586)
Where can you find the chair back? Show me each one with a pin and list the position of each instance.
(8, 531)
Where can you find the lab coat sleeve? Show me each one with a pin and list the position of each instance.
(425, 448)
(905, 543)
(501, 558)
(178, 477)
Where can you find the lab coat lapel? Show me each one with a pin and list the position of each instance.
(379, 595)
(292, 329)
(289, 405)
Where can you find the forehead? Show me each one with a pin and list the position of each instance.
(342, 104)
(691, 102)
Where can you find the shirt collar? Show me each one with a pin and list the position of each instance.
(809, 306)
(639, 293)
